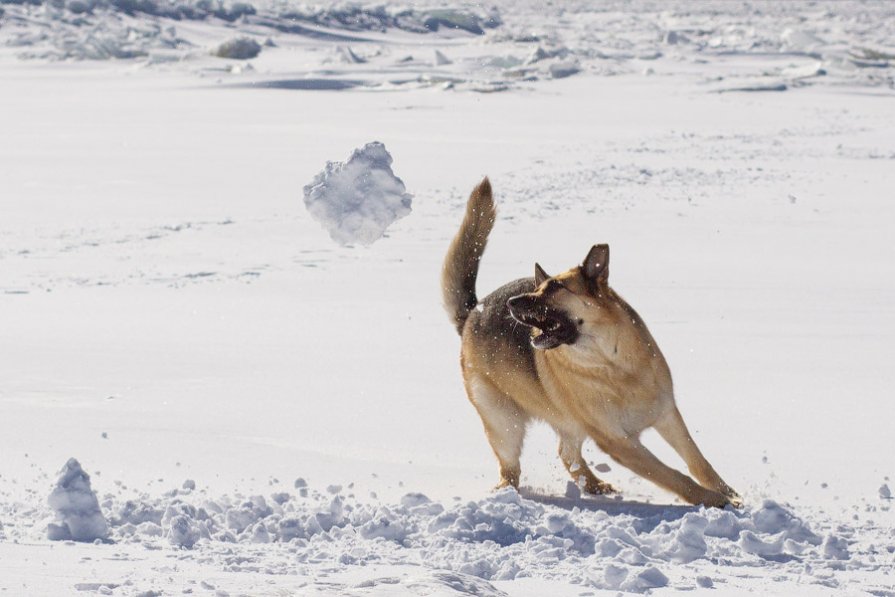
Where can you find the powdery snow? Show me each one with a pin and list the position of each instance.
(357, 200)
(590, 543)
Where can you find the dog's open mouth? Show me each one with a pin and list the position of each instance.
(554, 326)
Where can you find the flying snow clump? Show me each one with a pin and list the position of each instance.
(358, 199)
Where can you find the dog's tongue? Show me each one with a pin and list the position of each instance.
(545, 341)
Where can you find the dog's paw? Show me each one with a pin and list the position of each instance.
(504, 483)
(597, 487)
(734, 499)
(730, 493)
(711, 499)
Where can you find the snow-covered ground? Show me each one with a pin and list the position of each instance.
(263, 411)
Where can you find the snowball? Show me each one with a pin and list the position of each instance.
(884, 492)
(358, 199)
(78, 516)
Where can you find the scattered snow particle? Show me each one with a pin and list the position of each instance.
(333, 489)
(358, 199)
(884, 492)
(189, 484)
(299, 483)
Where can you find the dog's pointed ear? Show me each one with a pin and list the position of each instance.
(540, 275)
(596, 265)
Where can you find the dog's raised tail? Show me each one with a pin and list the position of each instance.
(461, 264)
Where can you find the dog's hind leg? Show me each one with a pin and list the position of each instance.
(673, 429)
(570, 454)
(504, 423)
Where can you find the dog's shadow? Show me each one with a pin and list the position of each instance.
(648, 513)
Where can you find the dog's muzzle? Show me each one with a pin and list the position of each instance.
(554, 326)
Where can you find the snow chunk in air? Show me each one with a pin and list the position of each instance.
(358, 199)
(78, 516)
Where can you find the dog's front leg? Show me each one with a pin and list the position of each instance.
(629, 452)
(673, 429)
(570, 454)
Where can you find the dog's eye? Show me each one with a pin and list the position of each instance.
(554, 286)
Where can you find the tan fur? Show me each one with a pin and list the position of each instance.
(609, 385)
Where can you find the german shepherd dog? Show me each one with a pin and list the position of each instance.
(568, 350)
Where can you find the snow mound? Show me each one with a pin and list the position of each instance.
(357, 200)
(78, 517)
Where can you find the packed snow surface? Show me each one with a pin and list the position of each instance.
(357, 200)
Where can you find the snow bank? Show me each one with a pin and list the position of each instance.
(358, 199)
(78, 516)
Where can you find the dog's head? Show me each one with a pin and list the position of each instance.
(562, 307)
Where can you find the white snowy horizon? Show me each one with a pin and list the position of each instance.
(212, 395)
